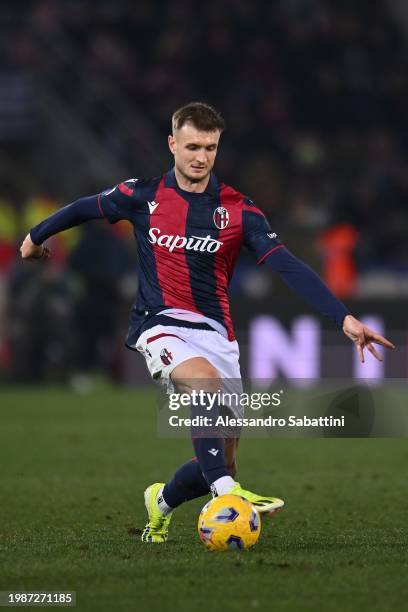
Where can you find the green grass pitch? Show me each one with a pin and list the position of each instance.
(73, 471)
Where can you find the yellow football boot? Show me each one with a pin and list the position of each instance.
(264, 505)
(157, 527)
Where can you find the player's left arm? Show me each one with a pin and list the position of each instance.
(309, 285)
(259, 237)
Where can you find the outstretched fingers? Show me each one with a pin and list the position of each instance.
(380, 340)
(364, 337)
(360, 349)
(371, 337)
(374, 351)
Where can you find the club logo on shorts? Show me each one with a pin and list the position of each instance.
(166, 356)
(221, 217)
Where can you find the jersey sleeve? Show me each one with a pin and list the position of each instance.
(258, 235)
(302, 279)
(119, 203)
(84, 209)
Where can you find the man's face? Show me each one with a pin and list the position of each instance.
(194, 151)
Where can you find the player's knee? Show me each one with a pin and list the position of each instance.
(208, 379)
(195, 375)
(206, 371)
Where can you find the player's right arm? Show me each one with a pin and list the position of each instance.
(112, 204)
(71, 215)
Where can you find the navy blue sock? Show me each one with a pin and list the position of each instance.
(207, 441)
(211, 457)
(187, 483)
(195, 478)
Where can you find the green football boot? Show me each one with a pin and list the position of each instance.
(264, 505)
(157, 528)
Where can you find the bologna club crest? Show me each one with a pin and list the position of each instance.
(166, 356)
(221, 217)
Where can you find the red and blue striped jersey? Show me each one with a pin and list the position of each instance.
(188, 244)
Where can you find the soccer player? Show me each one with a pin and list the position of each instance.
(189, 229)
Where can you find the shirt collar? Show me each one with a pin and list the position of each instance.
(212, 187)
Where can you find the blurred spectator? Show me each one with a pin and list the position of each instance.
(101, 265)
(338, 244)
(39, 323)
(8, 239)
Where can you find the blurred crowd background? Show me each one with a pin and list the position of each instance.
(314, 93)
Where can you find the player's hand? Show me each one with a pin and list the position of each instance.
(29, 250)
(363, 337)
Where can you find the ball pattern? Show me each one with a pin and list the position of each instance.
(229, 522)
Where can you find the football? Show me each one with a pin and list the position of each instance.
(229, 522)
